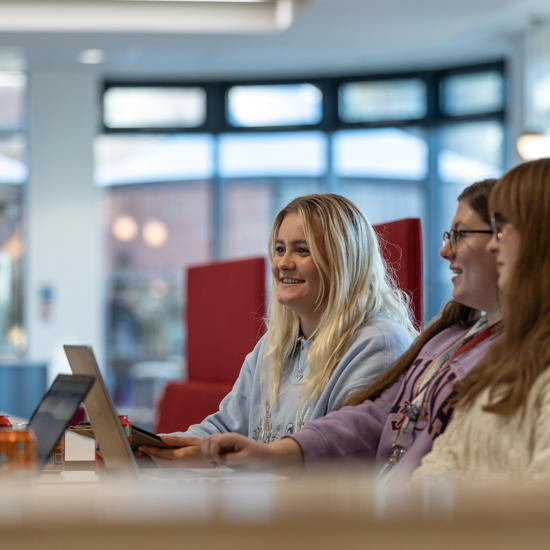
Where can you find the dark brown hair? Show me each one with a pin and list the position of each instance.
(477, 198)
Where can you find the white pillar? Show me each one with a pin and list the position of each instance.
(63, 216)
(517, 113)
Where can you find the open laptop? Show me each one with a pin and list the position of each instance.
(114, 445)
(55, 412)
(116, 451)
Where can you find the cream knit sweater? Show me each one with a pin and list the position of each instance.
(483, 445)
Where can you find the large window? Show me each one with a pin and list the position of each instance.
(380, 100)
(209, 178)
(153, 235)
(275, 105)
(123, 159)
(154, 107)
(272, 154)
(13, 173)
(400, 153)
(473, 93)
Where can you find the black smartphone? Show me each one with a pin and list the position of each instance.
(139, 436)
(143, 437)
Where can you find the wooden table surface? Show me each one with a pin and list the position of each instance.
(326, 509)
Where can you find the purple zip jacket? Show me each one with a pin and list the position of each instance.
(368, 430)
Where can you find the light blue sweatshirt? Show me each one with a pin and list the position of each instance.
(247, 410)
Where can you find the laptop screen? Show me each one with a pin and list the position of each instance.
(56, 410)
(108, 432)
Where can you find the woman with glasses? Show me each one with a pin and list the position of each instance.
(395, 420)
(501, 422)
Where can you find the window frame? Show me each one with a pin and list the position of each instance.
(217, 123)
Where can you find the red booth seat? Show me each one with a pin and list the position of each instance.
(186, 403)
(226, 306)
(401, 244)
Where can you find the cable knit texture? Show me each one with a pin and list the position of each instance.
(483, 445)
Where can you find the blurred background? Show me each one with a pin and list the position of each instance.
(140, 137)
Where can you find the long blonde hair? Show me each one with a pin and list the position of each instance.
(355, 287)
(512, 365)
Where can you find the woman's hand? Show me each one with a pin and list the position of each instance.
(233, 449)
(188, 452)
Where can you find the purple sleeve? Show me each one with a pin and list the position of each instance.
(351, 432)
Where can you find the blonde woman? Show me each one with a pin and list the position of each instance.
(336, 322)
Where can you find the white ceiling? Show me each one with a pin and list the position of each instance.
(326, 37)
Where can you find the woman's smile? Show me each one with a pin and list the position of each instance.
(298, 281)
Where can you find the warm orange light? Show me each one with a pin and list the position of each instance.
(14, 247)
(125, 228)
(17, 337)
(533, 145)
(155, 233)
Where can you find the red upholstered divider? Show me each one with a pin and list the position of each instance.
(225, 317)
(186, 403)
(401, 244)
(226, 306)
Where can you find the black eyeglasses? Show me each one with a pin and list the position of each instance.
(454, 236)
(498, 223)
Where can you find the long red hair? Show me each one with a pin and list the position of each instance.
(512, 365)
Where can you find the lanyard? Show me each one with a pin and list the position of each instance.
(479, 332)
(464, 343)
